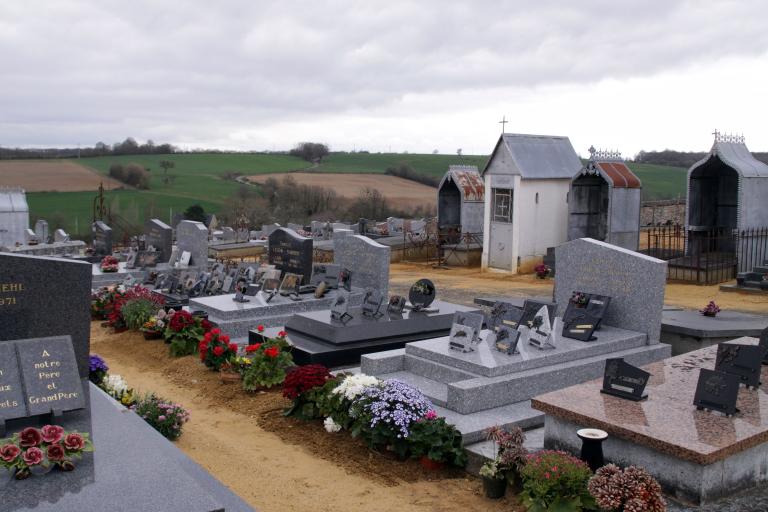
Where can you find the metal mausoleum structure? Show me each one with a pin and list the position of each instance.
(461, 200)
(14, 217)
(605, 200)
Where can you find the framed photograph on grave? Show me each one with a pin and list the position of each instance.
(540, 331)
(745, 361)
(290, 284)
(506, 340)
(422, 294)
(396, 304)
(340, 306)
(345, 279)
(372, 303)
(624, 380)
(717, 391)
(465, 331)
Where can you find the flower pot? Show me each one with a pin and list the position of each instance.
(152, 335)
(230, 377)
(430, 464)
(495, 488)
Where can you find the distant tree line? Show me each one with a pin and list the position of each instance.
(310, 151)
(127, 147)
(679, 158)
(132, 174)
(405, 171)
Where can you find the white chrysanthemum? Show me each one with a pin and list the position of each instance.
(351, 387)
(331, 426)
(116, 383)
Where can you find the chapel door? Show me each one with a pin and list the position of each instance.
(500, 250)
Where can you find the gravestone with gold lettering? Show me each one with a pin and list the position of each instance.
(12, 403)
(635, 282)
(291, 253)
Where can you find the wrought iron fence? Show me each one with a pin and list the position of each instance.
(709, 256)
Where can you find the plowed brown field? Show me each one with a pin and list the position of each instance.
(400, 193)
(52, 176)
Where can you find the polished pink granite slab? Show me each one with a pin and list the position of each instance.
(668, 421)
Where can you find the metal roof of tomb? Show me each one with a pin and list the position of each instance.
(611, 167)
(13, 199)
(468, 181)
(733, 152)
(539, 156)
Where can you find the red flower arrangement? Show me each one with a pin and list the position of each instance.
(216, 349)
(185, 332)
(181, 320)
(303, 379)
(115, 316)
(272, 352)
(109, 264)
(50, 445)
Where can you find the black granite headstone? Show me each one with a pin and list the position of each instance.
(12, 403)
(624, 380)
(49, 372)
(422, 294)
(717, 391)
(291, 252)
(159, 235)
(742, 360)
(42, 297)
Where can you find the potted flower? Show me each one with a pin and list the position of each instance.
(269, 362)
(183, 333)
(165, 417)
(303, 386)
(97, 369)
(109, 264)
(116, 387)
(555, 480)
(542, 270)
(154, 327)
(39, 450)
(617, 490)
(337, 397)
(216, 350)
(511, 455)
(710, 309)
(435, 443)
(579, 299)
(494, 479)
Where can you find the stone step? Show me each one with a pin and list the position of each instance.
(437, 392)
(473, 426)
(483, 393)
(434, 370)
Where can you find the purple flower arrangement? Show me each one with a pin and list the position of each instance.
(97, 369)
(710, 309)
(394, 406)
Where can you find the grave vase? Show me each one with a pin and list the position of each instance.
(430, 464)
(494, 488)
(592, 447)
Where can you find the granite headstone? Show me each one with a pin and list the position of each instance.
(41, 230)
(102, 238)
(291, 253)
(60, 236)
(159, 235)
(12, 403)
(192, 237)
(368, 259)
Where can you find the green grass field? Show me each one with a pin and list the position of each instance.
(199, 178)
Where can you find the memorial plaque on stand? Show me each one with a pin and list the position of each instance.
(511, 318)
(290, 252)
(540, 332)
(290, 284)
(372, 303)
(49, 372)
(580, 325)
(742, 360)
(624, 380)
(326, 272)
(345, 279)
(422, 294)
(597, 306)
(396, 304)
(340, 306)
(531, 308)
(12, 403)
(717, 391)
(506, 339)
(465, 331)
(494, 316)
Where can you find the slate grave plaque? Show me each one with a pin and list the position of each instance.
(506, 340)
(422, 294)
(396, 304)
(580, 325)
(717, 391)
(12, 403)
(511, 317)
(597, 306)
(326, 272)
(345, 279)
(624, 380)
(49, 371)
(465, 331)
(540, 332)
(253, 290)
(372, 303)
(186, 256)
(290, 252)
(742, 360)
(340, 307)
(532, 307)
(495, 314)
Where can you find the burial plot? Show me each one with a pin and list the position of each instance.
(634, 282)
(368, 259)
(159, 235)
(291, 253)
(624, 380)
(192, 237)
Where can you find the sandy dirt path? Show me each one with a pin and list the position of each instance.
(276, 463)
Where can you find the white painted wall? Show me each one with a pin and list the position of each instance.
(544, 224)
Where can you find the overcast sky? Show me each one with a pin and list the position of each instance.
(380, 76)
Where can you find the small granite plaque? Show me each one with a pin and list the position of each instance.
(340, 307)
(580, 325)
(717, 391)
(506, 340)
(531, 309)
(372, 303)
(540, 332)
(12, 403)
(49, 371)
(742, 360)
(624, 380)
(465, 331)
(130, 260)
(396, 304)
(148, 258)
(422, 294)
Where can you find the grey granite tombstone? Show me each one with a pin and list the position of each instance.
(368, 260)
(192, 237)
(41, 230)
(49, 370)
(268, 229)
(60, 236)
(102, 238)
(12, 403)
(43, 297)
(228, 234)
(159, 235)
(317, 227)
(635, 282)
(342, 233)
(291, 252)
